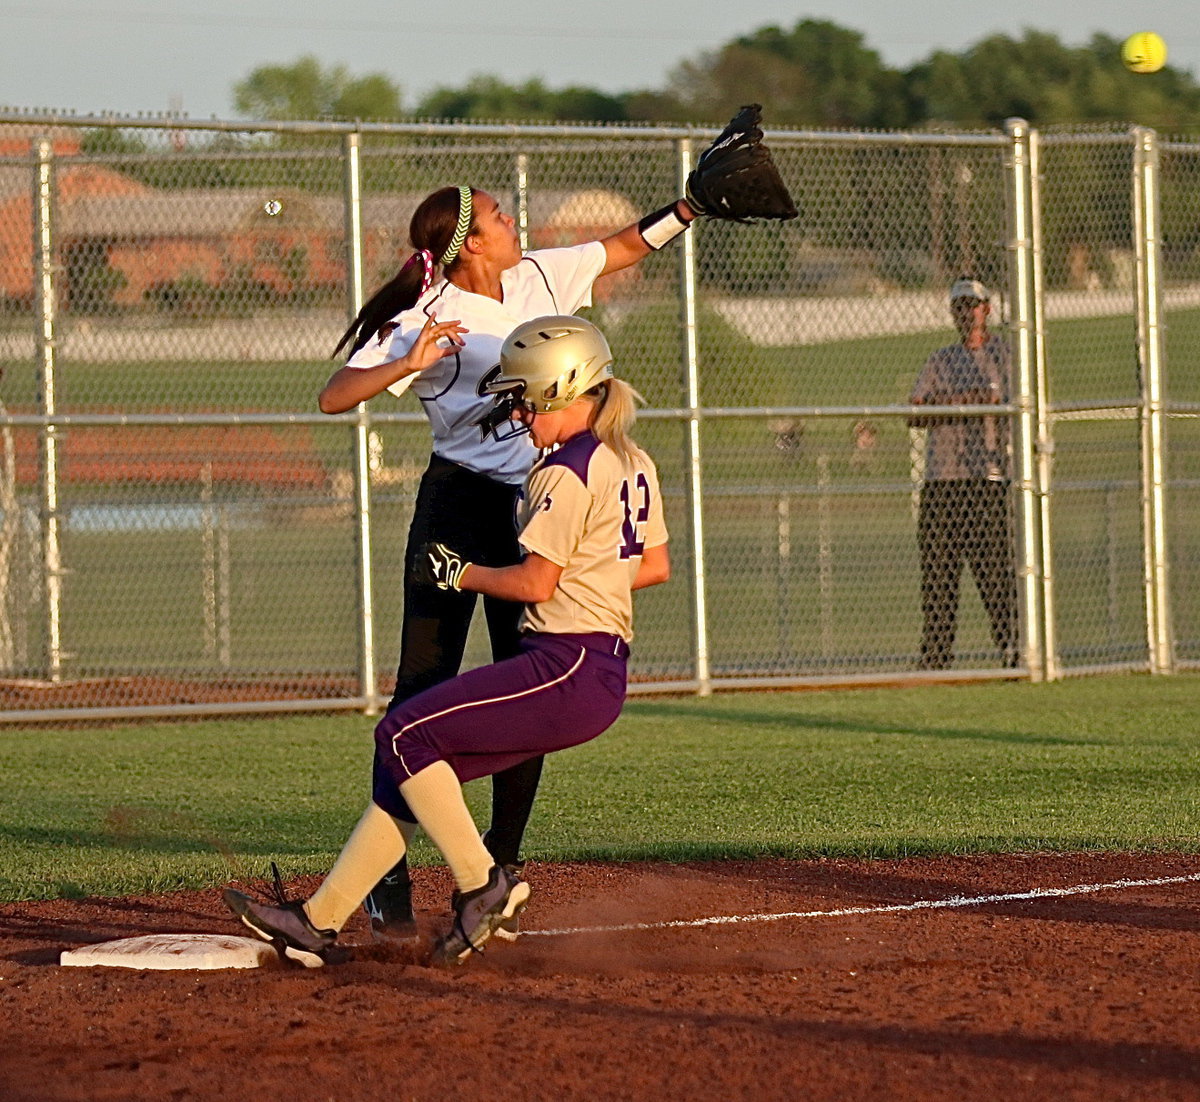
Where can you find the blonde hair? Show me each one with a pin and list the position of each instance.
(616, 411)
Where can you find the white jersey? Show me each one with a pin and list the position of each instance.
(548, 281)
(592, 513)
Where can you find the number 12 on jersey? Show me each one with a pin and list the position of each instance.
(636, 501)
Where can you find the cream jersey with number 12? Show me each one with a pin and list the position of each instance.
(593, 513)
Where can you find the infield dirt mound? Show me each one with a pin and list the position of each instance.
(1088, 996)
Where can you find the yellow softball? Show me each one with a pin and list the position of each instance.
(1144, 52)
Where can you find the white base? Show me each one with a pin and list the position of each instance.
(174, 951)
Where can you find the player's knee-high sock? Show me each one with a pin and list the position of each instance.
(374, 846)
(435, 797)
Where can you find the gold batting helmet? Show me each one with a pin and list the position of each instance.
(545, 365)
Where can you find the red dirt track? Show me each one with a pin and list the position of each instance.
(1089, 996)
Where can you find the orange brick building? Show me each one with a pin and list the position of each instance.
(135, 244)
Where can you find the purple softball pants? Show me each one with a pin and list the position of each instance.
(560, 691)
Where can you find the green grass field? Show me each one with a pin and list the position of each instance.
(1087, 359)
(1102, 763)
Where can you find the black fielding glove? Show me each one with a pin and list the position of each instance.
(735, 178)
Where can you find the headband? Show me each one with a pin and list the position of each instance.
(460, 231)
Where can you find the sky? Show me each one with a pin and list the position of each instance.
(133, 56)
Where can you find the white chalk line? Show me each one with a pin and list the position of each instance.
(951, 903)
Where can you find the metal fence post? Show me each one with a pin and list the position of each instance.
(691, 355)
(1147, 242)
(47, 308)
(361, 432)
(1045, 430)
(1022, 327)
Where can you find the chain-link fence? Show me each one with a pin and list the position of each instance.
(856, 490)
(1180, 224)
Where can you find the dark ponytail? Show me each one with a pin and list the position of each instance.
(432, 228)
(399, 293)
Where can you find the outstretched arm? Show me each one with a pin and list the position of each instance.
(637, 241)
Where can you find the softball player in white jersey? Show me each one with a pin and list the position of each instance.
(438, 336)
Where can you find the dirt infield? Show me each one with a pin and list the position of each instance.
(1090, 995)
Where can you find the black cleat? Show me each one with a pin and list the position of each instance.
(478, 915)
(510, 928)
(285, 925)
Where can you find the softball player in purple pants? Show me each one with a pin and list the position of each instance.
(592, 530)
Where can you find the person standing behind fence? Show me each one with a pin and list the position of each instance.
(468, 269)
(964, 516)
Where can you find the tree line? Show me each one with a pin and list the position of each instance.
(817, 74)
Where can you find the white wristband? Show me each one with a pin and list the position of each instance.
(662, 226)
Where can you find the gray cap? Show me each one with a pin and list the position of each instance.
(969, 288)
